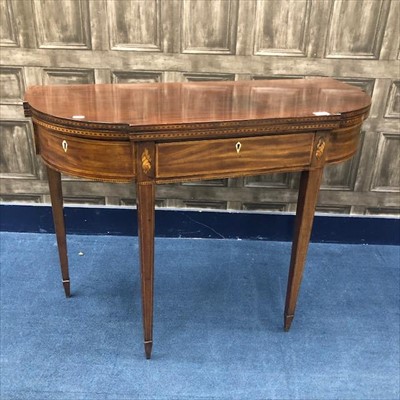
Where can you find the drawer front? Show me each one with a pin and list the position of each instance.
(95, 159)
(343, 144)
(224, 157)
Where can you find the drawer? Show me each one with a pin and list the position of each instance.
(225, 157)
(87, 158)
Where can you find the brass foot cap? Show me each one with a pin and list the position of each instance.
(288, 322)
(67, 288)
(148, 345)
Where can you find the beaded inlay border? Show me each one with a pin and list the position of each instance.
(196, 130)
(197, 133)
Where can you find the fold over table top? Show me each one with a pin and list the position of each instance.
(167, 105)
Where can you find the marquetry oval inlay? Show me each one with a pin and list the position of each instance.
(146, 161)
(320, 148)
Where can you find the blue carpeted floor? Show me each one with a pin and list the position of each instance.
(218, 321)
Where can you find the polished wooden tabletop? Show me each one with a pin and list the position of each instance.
(182, 103)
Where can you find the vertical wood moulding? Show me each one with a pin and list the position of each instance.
(99, 32)
(7, 20)
(391, 37)
(386, 173)
(292, 41)
(135, 26)
(393, 103)
(13, 165)
(342, 37)
(201, 35)
(55, 27)
(12, 85)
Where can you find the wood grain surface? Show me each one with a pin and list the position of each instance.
(201, 102)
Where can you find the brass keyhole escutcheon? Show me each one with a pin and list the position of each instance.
(64, 145)
(238, 147)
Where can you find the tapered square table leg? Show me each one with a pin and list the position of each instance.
(59, 225)
(308, 194)
(145, 202)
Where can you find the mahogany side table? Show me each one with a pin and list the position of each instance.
(175, 132)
